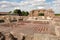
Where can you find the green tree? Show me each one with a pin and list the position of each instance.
(25, 13)
(18, 12)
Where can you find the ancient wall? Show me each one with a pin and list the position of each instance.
(42, 29)
(10, 18)
(47, 13)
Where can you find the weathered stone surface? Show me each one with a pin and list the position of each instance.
(41, 28)
(29, 37)
(45, 37)
(2, 37)
(49, 12)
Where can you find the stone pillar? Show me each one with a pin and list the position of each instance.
(35, 13)
(45, 14)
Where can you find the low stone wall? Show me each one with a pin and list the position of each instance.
(7, 18)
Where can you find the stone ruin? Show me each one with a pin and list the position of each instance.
(7, 36)
(42, 12)
(33, 16)
(38, 25)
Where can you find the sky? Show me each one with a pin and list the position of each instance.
(28, 5)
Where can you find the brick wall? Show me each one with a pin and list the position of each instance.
(48, 12)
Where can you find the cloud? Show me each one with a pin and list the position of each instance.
(8, 3)
(28, 5)
(56, 6)
(23, 5)
(35, 0)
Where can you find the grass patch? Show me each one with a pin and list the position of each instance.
(57, 14)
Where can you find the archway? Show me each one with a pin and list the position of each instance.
(41, 14)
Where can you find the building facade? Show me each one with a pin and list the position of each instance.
(42, 12)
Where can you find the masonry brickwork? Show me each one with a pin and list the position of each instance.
(37, 29)
(46, 13)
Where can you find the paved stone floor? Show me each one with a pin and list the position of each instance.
(27, 28)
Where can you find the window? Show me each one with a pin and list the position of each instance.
(41, 14)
